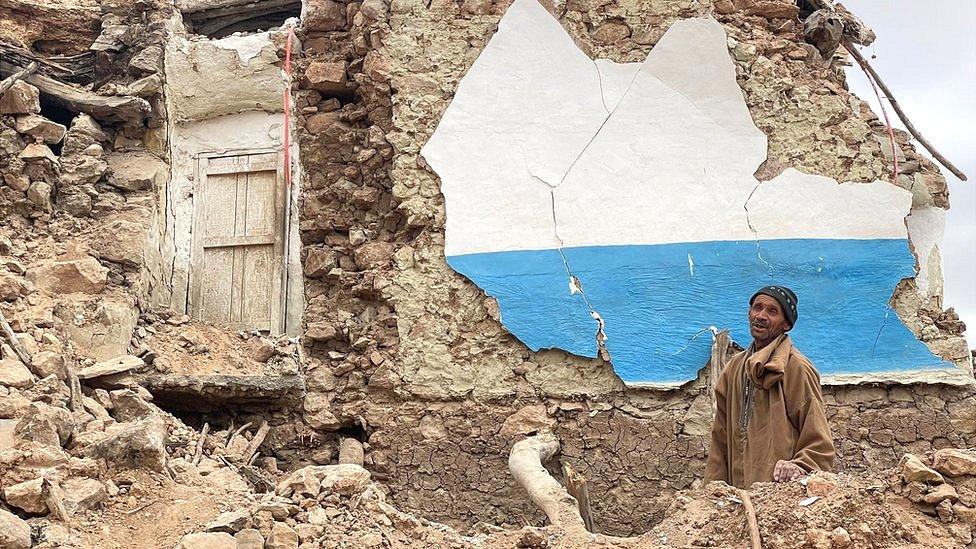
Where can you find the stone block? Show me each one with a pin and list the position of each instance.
(37, 126)
(84, 276)
(324, 15)
(955, 462)
(21, 98)
(47, 363)
(327, 77)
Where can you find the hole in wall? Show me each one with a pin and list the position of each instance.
(56, 113)
(227, 18)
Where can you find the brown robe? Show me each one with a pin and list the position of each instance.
(787, 420)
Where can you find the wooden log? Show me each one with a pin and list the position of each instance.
(77, 405)
(525, 464)
(351, 451)
(578, 487)
(750, 510)
(111, 108)
(252, 448)
(198, 453)
(721, 349)
(15, 343)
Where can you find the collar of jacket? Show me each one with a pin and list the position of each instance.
(766, 366)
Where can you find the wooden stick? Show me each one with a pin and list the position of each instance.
(901, 114)
(751, 520)
(721, 345)
(77, 405)
(13, 78)
(577, 486)
(237, 433)
(252, 448)
(525, 464)
(15, 343)
(203, 436)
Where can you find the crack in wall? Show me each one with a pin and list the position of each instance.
(755, 232)
(881, 329)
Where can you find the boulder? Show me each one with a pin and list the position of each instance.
(37, 126)
(323, 15)
(282, 537)
(47, 363)
(208, 540)
(45, 424)
(955, 462)
(345, 479)
(21, 98)
(940, 493)
(303, 482)
(135, 171)
(121, 242)
(327, 77)
(12, 287)
(15, 533)
(139, 443)
(81, 276)
(27, 496)
(249, 538)
(129, 406)
(35, 152)
(913, 470)
(116, 365)
(13, 373)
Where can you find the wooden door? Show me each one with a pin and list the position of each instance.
(238, 242)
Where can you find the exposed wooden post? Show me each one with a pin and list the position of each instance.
(721, 347)
(9, 81)
(525, 464)
(578, 487)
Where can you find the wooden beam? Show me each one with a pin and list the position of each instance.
(13, 78)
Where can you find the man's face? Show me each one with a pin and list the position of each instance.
(766, 319)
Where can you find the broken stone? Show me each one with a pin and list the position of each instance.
(36, 152)
(318, 262)
(230, 522)
(122, 242)
(85, 276)
(320, 331)
(146, 87)
(40, 194)
(13, 373)
(261, 350)
(324, 15)
(37, 126)
(940, 493)
(820, 485)
(351, 452)
(141, 443)
(83, 494)
(282, 537)
(955, 462)
(45, 424)
(82, 133)
(840, 537)
(249, 538)
(129, 406)
(610, 32)
(326, 77)
(135, 171)
(208, 540)
(322, 420)
(46, 363)
(12, 287)
(27, 496)
(372, 255)
(21, 98)
(17, 182)
(344, 479)
(147, 60)
(913, 470)
(15, 533)
(303, 482)
(116, 365)
(527, 420)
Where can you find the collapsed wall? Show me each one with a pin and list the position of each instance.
(416, 355)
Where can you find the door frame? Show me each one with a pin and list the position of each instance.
(201, 162)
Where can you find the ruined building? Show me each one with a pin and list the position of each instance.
(242, 238)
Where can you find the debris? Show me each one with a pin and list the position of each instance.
(117, 365)
(955, 462)
(805, 502)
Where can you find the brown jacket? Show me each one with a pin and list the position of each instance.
(787, 420)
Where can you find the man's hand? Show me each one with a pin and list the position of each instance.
(786, 471)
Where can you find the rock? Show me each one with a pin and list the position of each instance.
(819, 484)
(13, 373)
(135, 171)
(282, 537)
(40, 194)
(770, 9)
(81, 276)
(83, 494)
(345, 479)
(954, 462)
(17, 182)
(320, 331)
(913, 470)
(47, 363)
(610, 32)
(45, 424)
(15, 533)
(21, 98)
(324, 15)
(37, 126)
(140, 443)
(940, 493)
(82, 133)
(76, 205)
(965, 513)
(122, 242)
(840, 538)
(318, 262)
(815, 538)
(527, 420)
(230, 522)
(209, 540)
(322, 420)
(146, 87)
(27, 496)
(351, 452)
(303, 482)
(129, 406)
(249, 538)
(147, 60)
(261, 350)
(36, 152)
(328, 78)
(12, 287)
(322, 122)
(372, 255)
(109, 367)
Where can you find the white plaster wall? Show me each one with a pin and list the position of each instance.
(926, 227)
(225, 135)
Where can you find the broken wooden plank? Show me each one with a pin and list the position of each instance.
(110, 108)
(198, 453)
(13, 78)
(252, 448)
(578, 487)
(15, 343)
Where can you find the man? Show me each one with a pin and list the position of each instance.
(769, 420)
